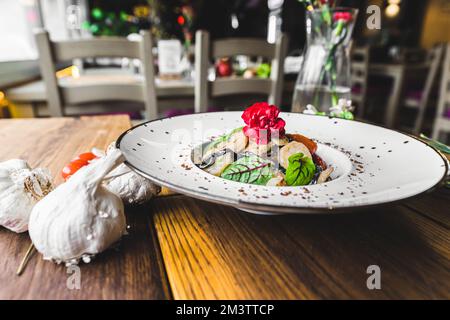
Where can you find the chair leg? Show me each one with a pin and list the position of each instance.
(150, 112)
(435, 133)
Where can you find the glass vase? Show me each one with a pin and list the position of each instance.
(324, 76)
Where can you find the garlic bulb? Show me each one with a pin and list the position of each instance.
(20, 188)
(127, 184)
(80, 218)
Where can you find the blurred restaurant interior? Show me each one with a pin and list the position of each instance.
(400, 65)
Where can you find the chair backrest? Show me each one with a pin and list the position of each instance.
(360, 57)
(433, 61)
(442, 122)
(205, 50)
(51, 52)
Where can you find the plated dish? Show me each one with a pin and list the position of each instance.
(371, 165)
(262, 153)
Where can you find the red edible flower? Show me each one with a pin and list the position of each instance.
(262, 122)
(344, 16)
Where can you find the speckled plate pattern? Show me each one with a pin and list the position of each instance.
(373, 165)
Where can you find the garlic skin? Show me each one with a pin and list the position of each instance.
(128, 185)
(20, 189)
(80, 218)
(131, 187)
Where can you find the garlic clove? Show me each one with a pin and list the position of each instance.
(20, 189)
(130, 186)
(80, 217)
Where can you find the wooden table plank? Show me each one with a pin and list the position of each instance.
(426, 205)
(213, 251)
(130, 271)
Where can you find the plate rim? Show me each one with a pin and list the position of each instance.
(279, 208)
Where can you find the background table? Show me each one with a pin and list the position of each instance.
(184, 248)
(397, 73)
(35, 90)
(171, 93)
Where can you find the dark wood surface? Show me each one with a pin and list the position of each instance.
(213, 251)
(130, 271)
(183, 248)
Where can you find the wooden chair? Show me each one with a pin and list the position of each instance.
(360, 57)
(59, 97)
(205, 51)
(442, 122)
(433, 62)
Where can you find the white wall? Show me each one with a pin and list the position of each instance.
(17, 20)
(53, 12)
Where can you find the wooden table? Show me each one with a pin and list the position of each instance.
(35, 91)
(171, 93)
(184, 248)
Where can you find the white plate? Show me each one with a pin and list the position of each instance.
(373, 165)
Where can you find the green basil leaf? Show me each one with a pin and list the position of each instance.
(300, 170)
(249, 169)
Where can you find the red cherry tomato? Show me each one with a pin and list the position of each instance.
(77, 163)
(88, 156)
(73, 167)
